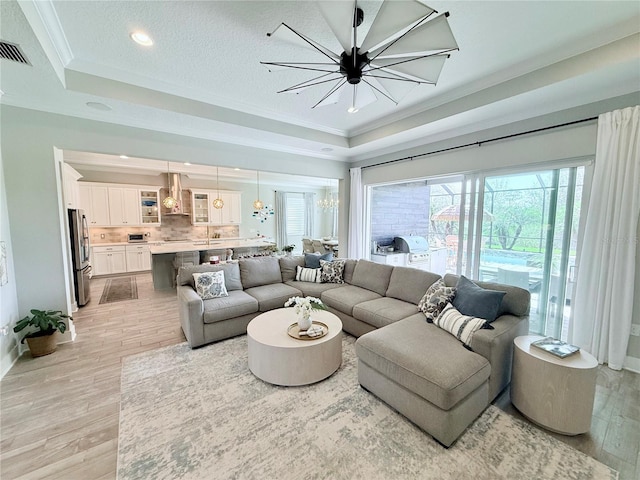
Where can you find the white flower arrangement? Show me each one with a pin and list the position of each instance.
(303, 306)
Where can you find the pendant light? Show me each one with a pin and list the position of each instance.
(169, 201)
(218, 202)
(258, 204)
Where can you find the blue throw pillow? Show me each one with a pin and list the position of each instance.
(312, 260)
(476, 301)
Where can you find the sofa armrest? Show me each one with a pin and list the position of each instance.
(191, 311)
(497, 347)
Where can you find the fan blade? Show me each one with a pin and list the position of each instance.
(339, 17)
(432, 35)
(287, 34)
(359, 96)
(300, 87)
(397, 89)
(316, 67)
(332, 96)
(392, 18)
(424, 68)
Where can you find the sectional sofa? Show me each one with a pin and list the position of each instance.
(419, 369)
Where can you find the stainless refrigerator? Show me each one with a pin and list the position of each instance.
(80, 251)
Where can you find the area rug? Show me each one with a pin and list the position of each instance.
(119, 289)
(201, 414)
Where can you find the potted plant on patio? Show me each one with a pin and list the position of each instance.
(45, 323)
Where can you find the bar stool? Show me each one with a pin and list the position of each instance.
(184, 259)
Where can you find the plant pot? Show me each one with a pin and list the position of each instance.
(43, 345)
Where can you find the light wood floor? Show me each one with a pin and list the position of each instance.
(60, 413)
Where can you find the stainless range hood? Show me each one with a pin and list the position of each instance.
(175, 191)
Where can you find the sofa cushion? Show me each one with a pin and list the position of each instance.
(258, 271)
(435, 299)
(308, 274)
(372, 276)
(346, 297)
(383, 311)
(273, 295)
(312, 260)
(476, 301)
(238, 303)
(460, 326)
(288, 266)
(425, 360)
(516, 302)
(332, 272)
(409, 284)
(349, 267)
(231, 274)
(310, 289)
(210, 284)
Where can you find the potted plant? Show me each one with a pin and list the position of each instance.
(45, 323)
(288, 249)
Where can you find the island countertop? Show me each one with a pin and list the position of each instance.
(214, 244)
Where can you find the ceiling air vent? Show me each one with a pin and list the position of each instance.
(11, 51)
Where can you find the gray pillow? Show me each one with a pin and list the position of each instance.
(476, 301)
(312, 260)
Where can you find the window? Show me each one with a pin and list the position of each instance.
(295, 215)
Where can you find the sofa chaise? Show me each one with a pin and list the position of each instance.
(421, 370)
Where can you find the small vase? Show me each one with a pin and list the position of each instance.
(304, 322)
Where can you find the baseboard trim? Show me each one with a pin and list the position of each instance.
(632, 364)
(10, 360)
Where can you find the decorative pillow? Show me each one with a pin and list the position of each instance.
(312, 260)
(435, 299)
(307, 274)
(460, 326)
(476, 301)
(332, 272)
(210, 284)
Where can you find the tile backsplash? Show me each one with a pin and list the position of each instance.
(172, 228)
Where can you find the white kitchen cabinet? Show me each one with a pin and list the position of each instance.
(200, 208)
(204, 213)
(149, 207)
(397, 259)
(124, 207)
(108, 260)
(70, 187)
(231, 213)
(94, 200)
(138, 258)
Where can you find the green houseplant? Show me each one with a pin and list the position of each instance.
(288, 249)
(44, 324)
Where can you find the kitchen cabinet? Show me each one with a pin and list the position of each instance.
(70, 187)
(124, 207)
(138, 258)
(397, 259)
(94, 199)
(149, 208)
(108, 260)
(203, 212)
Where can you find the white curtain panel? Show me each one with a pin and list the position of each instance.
(356, 214)
(281, 219)
(309, 214)
(601, 320)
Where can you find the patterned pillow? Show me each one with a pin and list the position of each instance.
(210, 284)
(435, 299)
(332, 272)
(460, 326)
(307, 274)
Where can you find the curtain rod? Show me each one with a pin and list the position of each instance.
(479, 143)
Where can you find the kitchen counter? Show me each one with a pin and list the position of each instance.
(215, 244)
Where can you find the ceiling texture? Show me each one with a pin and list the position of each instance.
(203, 78)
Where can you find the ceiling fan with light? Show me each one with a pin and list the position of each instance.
(406, 45)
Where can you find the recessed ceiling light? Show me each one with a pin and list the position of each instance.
(352, 109)
(142, 38)
(124, 157)
(237, 169)
(187, 163)
(98, 106)
(327, 149)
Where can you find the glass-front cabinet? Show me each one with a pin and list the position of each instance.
(200, 208)
(203, 212)
(149, 207)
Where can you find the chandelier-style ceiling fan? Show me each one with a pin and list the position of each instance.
(407, 45)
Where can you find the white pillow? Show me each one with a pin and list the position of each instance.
(307, 274)
(210, 284)
(460, 326)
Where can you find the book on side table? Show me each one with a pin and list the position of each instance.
(556, 347)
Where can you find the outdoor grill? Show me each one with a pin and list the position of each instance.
(416, 248)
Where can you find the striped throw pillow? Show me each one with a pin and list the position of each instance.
(460, 326)
(307, 274)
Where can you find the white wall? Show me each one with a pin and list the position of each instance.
(8, 294)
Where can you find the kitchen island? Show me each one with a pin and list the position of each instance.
(162, 256)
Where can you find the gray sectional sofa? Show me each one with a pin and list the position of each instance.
(419, 369)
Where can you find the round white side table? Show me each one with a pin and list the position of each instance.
(277, 358)
(556, 393)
